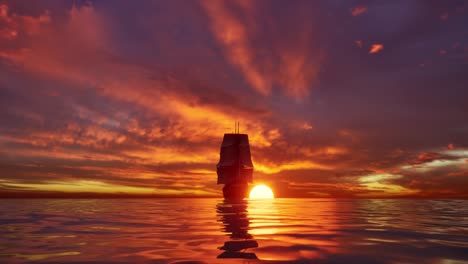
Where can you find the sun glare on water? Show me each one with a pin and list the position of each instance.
(261, 191)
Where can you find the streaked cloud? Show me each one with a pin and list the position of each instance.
(94, 97)
(291, 64)
(297, 165)
(233, 35)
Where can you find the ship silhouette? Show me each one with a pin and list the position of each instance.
(235, 168)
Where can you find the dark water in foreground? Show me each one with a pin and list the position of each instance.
(281, 230)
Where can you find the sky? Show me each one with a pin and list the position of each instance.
(339, 98)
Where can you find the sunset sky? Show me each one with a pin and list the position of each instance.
(339, 98)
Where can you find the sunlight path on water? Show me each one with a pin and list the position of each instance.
(213, 230)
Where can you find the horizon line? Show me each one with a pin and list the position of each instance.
(92, 195)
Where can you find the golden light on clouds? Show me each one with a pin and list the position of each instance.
(88, 105)
(388, 189)
(88, 186)
(381, 183)
(81, 186)
(272, 168)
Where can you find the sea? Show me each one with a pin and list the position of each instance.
(217, 231)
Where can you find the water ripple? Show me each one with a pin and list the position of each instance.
(215, 231)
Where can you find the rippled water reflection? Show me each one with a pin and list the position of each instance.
(214, 231)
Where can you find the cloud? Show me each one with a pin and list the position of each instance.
(13, 25)
(427, 157)
(290, 64)
(434, 160)
(233, 35)
(110, 112)
(358, 43)
(358, 10)
(296, 165)
(307, 126)
(375, 48)
(95, 95)
(381, 182)
(434, 173)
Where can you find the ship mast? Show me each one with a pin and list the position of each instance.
(235, 146)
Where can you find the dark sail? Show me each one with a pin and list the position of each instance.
(235, 164)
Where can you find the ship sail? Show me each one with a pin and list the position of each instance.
(235, 163)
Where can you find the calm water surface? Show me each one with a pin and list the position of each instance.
(214, 231)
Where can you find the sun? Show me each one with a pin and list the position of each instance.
(261, 191)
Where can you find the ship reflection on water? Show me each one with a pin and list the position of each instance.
(386, 231)
(234, 218)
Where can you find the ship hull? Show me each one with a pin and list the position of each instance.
(235, 191)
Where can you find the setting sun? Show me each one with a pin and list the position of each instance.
(261, 191)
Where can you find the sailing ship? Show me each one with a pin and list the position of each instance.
(235, 166)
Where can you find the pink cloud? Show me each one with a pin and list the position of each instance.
(233, 35)
(358, 43)
(290, 66)
(13, 25)
(358, 10)
(91, 111)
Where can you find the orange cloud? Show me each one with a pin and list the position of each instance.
(375, 48)
(296, 73)
(87, 186)
(100, 137)
(322, 151)
(271, 168)
(307, 126)
(232, 34)
(98, 114)
(87, 41)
